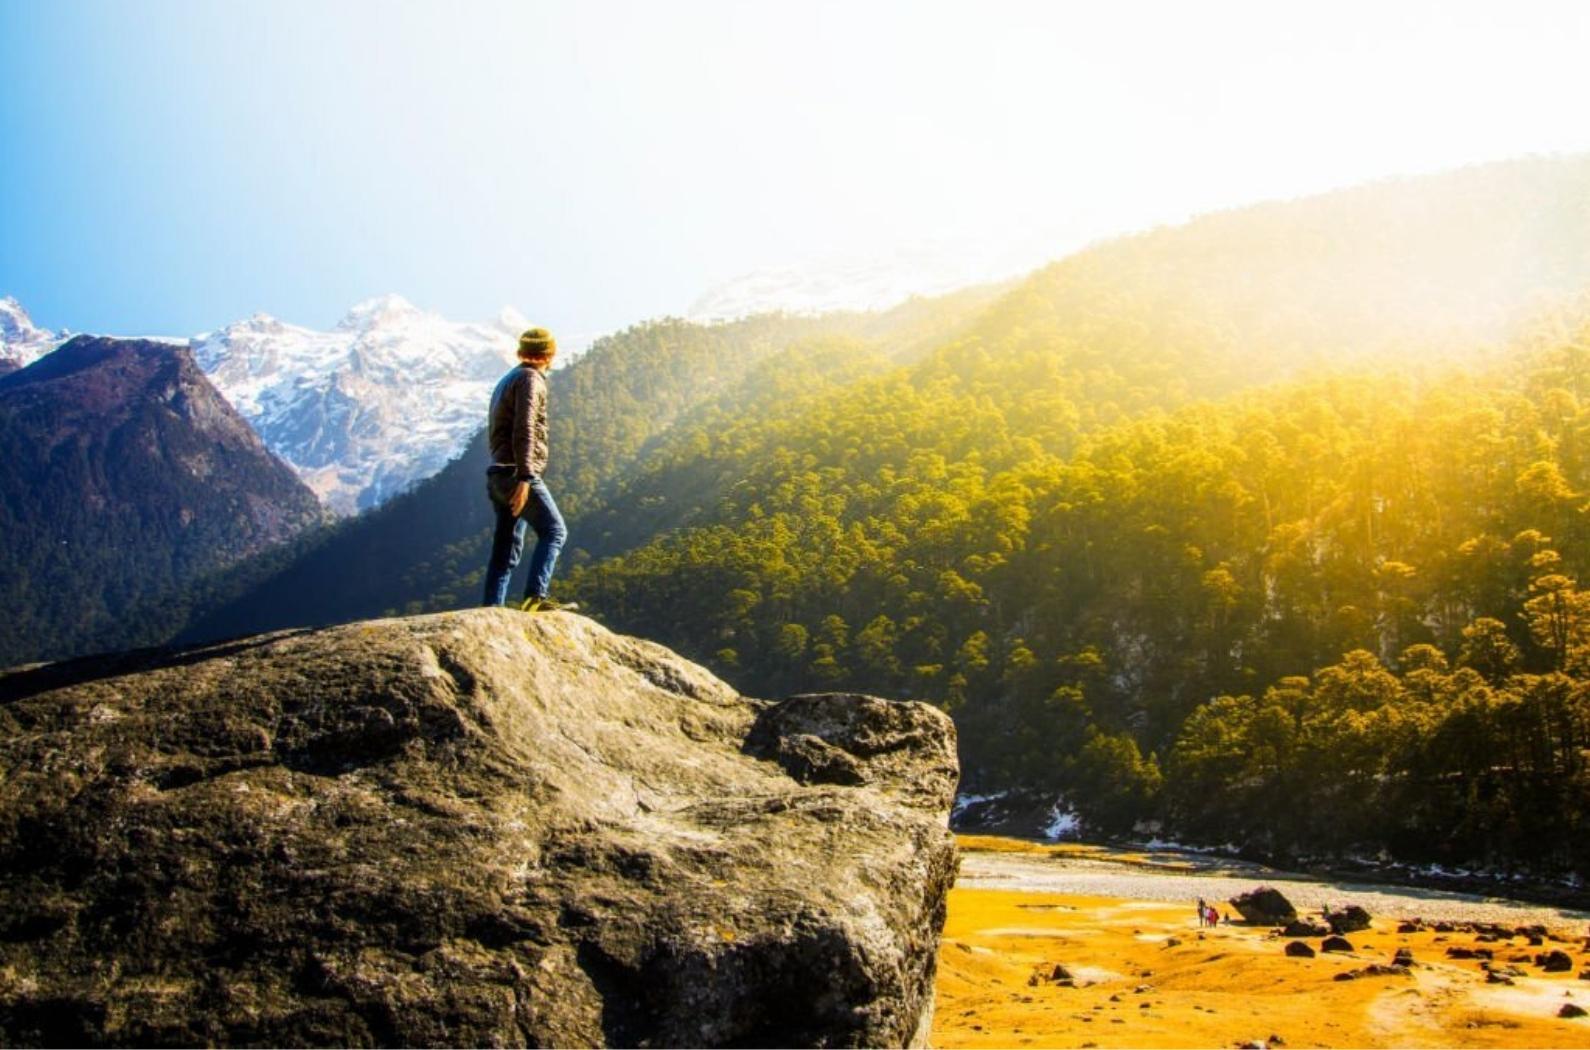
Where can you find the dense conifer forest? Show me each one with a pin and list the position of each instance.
(1269, 528)
(1331, 614)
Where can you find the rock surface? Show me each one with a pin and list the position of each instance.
(476, 828)
(1265, 906)
(1304, 928)
(1350, 919)
(1555, 961)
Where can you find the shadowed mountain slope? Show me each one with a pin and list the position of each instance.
(125, 477)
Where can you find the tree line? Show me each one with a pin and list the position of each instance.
(1337, 613)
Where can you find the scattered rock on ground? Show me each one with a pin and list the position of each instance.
(1057, 974)
(1373, 970)
(1300, 950)
(1304, 928)
(1336, 944)
(1385, 970)
(1554, 961)
(1350, 919)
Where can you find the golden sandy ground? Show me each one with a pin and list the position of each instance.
(1226, 986)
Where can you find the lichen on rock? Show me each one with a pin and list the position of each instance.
(475, 828)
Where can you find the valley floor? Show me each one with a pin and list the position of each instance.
(1122, 924)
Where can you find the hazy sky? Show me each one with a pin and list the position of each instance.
(170, 167)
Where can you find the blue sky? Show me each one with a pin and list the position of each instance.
(171, 167)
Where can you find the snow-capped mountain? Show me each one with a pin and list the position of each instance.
(21, 341)
(878, 282)
(362, 411)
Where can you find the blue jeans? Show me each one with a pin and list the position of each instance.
(507, 543)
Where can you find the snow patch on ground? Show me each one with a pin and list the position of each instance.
(964, 802)
(1063, 822)
(1157, 843)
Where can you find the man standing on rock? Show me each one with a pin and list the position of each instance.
(517, 434)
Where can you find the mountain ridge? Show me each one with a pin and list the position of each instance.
(361, 411)
(365, 410)
(125, 477)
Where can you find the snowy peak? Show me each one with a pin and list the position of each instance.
(882, 280)
(14, 320)
(360, 412)
(261, 322)
(364, 410)
(383, 311)
(511, 320)
(21, 341)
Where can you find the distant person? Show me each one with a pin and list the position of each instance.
(1203, 913)
(517, 434)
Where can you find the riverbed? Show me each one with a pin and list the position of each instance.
(1083, 946)
(1176, 875)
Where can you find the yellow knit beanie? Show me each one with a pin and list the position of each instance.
(537, 342)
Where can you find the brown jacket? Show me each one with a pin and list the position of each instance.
(517, 424)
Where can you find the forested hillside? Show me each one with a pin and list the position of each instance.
(1267, 526)
(1074, 612)
(1159, 474)
(1418, 274)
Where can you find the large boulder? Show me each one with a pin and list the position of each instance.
(1350, 919)
(477, 828)
(1554, 961)
(1265, 906)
